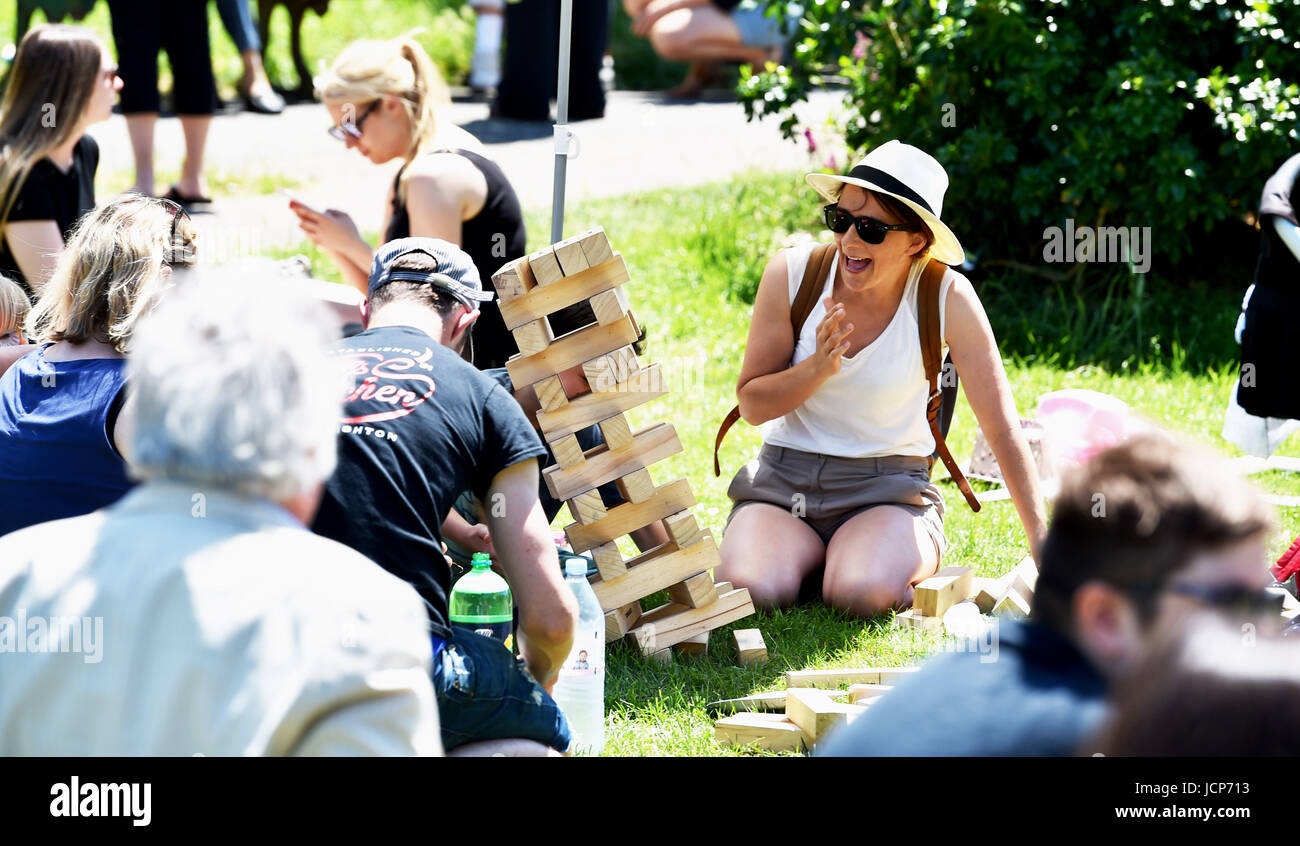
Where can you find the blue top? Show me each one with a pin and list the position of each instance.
(56, 459)
(1035, 695)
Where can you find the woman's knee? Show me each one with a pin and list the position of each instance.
(864, 594)
(671, 36)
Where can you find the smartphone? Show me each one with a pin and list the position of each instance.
(293, 198)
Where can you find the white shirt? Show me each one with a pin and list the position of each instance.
(875, 404)
(206, 624)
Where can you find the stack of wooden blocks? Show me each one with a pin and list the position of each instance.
(795, 719)
(1009, 595)
(530, 289)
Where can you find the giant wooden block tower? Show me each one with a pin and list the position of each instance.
(530, 289)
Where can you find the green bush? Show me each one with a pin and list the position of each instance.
(1155, 113)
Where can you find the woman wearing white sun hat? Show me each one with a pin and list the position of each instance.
(842, 480)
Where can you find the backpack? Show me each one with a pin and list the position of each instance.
(939, 407)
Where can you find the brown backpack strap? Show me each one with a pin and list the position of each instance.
(927, 307)
(805, 300)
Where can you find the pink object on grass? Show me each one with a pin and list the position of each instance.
(1081, 423)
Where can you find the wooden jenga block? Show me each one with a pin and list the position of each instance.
(1013, 606)
(695, 591)
(629, 517)
(1024, 578)
(619, 621)
(545, 267)
(987, 593)
(624, 361)
(667, 629)
(770, 732)
(609, 561)
(599, 373)
(750, 646)
(637, 487)
(664, 567)
(941, 591)
(911, 619)
(770, 702)
(616, 432)
(835, 678)
(595, 246)
(570, 256)
(722, 587)
(815, 712)
(682, 528)
(864, 693)
(534, 337)
(580, 412)
(605, 465)
(610, 305)
(587, 507)
(551, 397)
(541, 301)
(693, 647)
(514, 280)
(663, 656)
(568, 454)
(570, 351)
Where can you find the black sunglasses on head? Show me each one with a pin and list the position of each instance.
(1248, 602)
(869, 229)
(177, 251)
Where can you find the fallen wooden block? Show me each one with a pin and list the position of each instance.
(935, 595)
(1024, 578)
(773, 701)
(761, 731)
(987, 593)
(835, 678)
(815, 712)
(1013, 606)
(750, 646)
(673, 628)
(863, 693)
(912, 620)
(693, 647)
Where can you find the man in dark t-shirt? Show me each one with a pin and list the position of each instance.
(419, 426)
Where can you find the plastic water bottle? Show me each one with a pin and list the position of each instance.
(480, 601)
(580, 688)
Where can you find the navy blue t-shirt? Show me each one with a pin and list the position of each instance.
(1038, 696)
(419, 426)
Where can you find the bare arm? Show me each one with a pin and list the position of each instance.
(769, 387)
(36, 245)
(976, 357)
(441, 192)
(548, 611)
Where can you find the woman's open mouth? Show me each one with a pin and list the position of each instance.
(856, 265)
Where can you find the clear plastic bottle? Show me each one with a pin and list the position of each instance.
(480, 601)
(580, 688)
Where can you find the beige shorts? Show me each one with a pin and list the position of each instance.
(826, 491)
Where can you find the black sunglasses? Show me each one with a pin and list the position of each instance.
(177, 252)
(350, 129)
(869, 229)
(1246, 601)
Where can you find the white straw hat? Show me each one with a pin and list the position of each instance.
(908, 174)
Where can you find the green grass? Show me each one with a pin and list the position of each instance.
(110, 183)
(695, 256)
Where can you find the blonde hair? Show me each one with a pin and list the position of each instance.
(368, 70)
(53, 78)
(110, 272)
(14, 305)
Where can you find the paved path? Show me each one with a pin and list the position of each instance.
(643, 142)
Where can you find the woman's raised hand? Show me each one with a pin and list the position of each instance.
(329, 230)
(832, 339)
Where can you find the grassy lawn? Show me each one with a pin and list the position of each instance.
(694, 253)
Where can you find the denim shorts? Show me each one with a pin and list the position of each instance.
(826, 491)
(486, 693)
(758, 30)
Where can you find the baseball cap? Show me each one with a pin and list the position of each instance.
(456, 272)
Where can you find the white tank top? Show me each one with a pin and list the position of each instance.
(875, 405)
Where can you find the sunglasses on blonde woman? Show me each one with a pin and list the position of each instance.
(177, 250)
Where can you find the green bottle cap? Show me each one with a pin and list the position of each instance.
(481, 559)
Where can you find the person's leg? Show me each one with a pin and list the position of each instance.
(489, 23)
(238, 22)
(185, 38)
(770, 551)
(137, 34)
(700, 34)
(590, 36)
(237, 18)
(875, 557)
(531, 56)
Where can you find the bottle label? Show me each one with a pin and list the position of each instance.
(586, 659)
(501, 632)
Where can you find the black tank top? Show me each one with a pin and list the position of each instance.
(492, 237)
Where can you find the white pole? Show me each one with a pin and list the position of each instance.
(562, 134)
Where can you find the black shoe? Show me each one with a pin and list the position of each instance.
(187, 203)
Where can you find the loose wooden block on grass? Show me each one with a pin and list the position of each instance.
(750, 646)
(815, 712)
(616, 432)
(545, 266)
(935, 595)
(636, 487)
(595, 245)
(629, 517)
(587, 507)
(570, 256)
(1024, 578)
(864, 693)
(772, 702)
(911, 619)
(609, 561)
(532, 338)
(645, 575)
(1013, 606)
(673, 628)
(605, 465)
(551, 397)
(987, 593)
(695, 591)
(610, 305)
(771, 732)
(835, 678)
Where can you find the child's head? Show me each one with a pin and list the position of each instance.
(14, 306)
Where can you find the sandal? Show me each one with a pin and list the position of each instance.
(183, 201)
